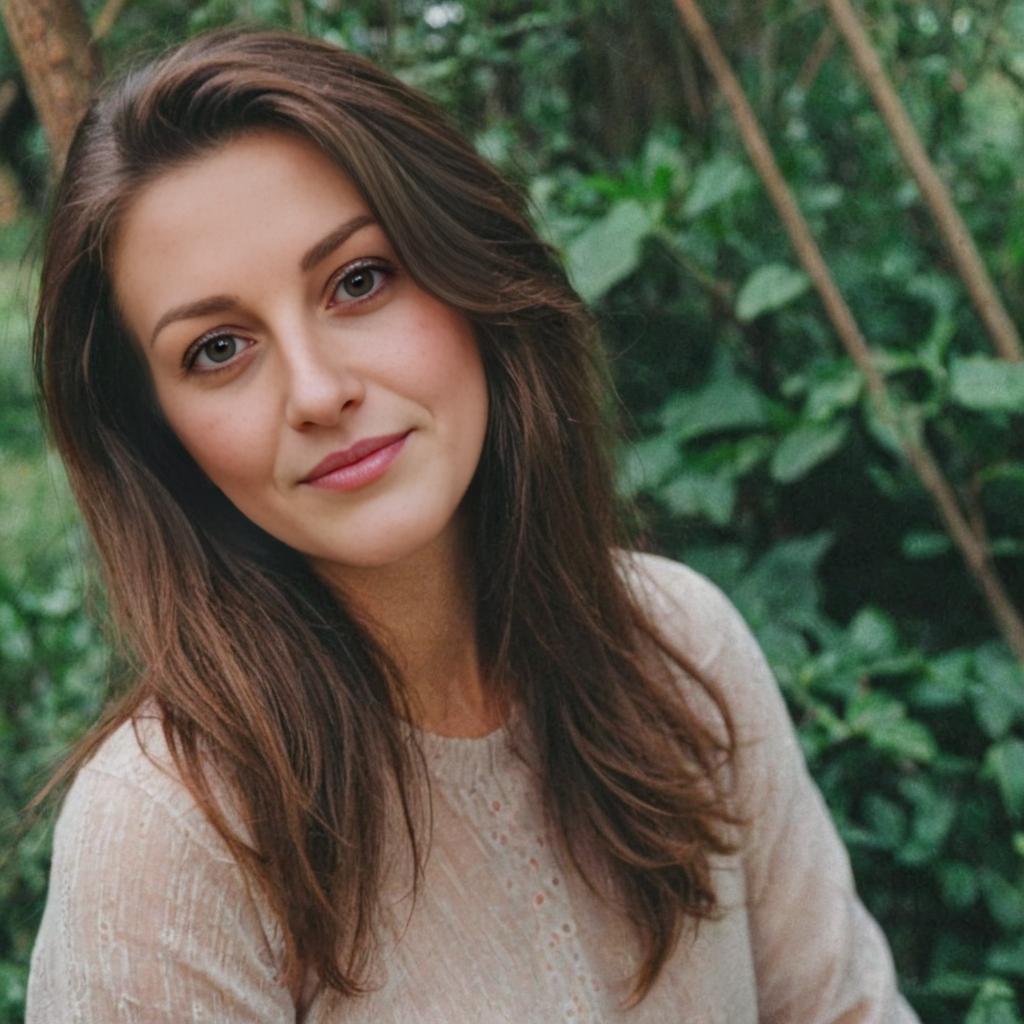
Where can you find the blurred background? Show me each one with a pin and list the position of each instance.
(750, 439)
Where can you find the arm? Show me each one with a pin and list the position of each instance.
(147, 919)
(819, 956)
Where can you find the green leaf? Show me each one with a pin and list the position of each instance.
(769, 288)
(726, 402)
(987, 385)
(883, 722)
(1007, 957)
(661, 154)
(959, 884)
(946, 683)
(608, 250)
(998, 690)
(1005, 762)
(919, 544)
(716, 181)
(886, 820)
(838, 389)
(806, 447)
(904, 738)
(644, 465)
(995, 1003)
(904, 421)
(1004, 899)
(934, 814)
(783, 582)
(872, 634)
(702, 494)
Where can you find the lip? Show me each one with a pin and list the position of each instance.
(357, 465)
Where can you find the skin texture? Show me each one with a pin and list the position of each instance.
(297, 359)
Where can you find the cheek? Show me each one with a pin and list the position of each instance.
(230, 449)
(453, 366)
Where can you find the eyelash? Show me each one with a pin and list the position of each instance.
(383, 271)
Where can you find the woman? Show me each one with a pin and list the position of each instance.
(410, 737)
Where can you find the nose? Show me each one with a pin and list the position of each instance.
(320, 383)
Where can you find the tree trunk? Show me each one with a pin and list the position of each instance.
(52, 42)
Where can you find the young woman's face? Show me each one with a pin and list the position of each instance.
(333, 401)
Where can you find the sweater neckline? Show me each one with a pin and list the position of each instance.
(464, 760)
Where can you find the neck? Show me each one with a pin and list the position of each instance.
(423, 610)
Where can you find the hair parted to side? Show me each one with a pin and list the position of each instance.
(260, 674)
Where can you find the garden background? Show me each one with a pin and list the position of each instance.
(754, 447)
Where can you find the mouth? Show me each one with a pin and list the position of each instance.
(358, 464)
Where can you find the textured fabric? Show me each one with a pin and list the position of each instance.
(149, 920)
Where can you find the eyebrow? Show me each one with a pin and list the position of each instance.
(223, 303)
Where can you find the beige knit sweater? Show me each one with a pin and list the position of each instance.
(148, 919)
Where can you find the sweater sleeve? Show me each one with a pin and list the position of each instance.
(819, 957)
(148, 918)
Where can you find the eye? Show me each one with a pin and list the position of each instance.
(360, 283)
(212, 353)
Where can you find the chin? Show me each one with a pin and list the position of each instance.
(393, 549)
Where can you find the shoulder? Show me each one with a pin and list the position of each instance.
(719, 655)
(132, 778)
(147, 907)
(692, 613)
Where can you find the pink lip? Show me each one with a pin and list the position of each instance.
(358, 465)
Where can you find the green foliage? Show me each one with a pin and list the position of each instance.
(53, 664)
(754, 451)
(769, 288)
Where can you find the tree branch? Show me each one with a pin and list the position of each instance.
(820, 52)
(958, 239)
(8, 97)
(974, 552)
(105, 20)
(51, 40)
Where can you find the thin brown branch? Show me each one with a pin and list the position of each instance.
(8, 97)
(975, 553)
(721, 293)
(107, 18)
(958, 238)
(1012, 75)
(691, 86)
(820, 52)
(972, 503)
(995, 22)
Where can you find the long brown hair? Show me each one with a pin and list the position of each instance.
(261, 674)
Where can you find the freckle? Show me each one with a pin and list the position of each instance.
(540, 840)
(566, 929)
(534, 863)
(539, 898)
(496, 806)
(554, 880)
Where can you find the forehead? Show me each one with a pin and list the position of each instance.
(259, 196)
